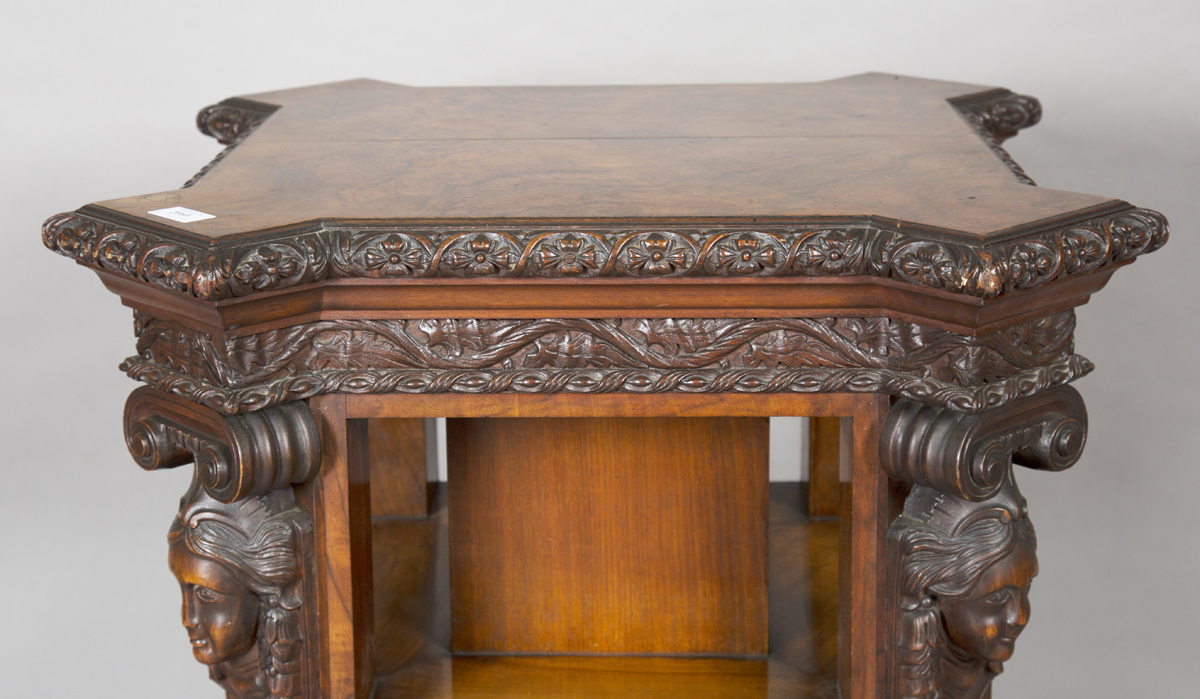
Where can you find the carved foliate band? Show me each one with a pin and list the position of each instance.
(871, 248)
(605, 356)
(969, 456)
(236, 457)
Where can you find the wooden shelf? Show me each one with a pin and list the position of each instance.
(412, 620)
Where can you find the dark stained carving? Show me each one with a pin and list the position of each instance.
(664, 343)
(963, 553)
(968, 456)
(966, 399)
(232, 119)
(333, 250)
(960, 572)
(236, 457)
(230, 122)
(598, 356)
(241, 568)
(997, 115)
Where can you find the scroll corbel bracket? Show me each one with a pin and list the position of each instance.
(236, 456)
(969, 456)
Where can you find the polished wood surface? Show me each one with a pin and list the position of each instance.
(413, 622)
(609, 298)
(868, 145)
(609, 535)
(867, 509)
(606, 405)
(824, 465)
(399, 462)
(338, 501)
(642, 274)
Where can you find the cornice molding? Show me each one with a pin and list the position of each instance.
(814, 249)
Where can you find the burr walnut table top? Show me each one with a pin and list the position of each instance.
(870, 195)
(870, 145)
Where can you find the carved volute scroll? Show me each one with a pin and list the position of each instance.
(241, 568)
(968, 456)
(963, 553)
(236, 456)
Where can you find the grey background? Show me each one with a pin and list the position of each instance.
(98, 102)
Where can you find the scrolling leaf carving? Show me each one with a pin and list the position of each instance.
(580, 355)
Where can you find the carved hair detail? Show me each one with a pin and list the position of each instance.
(946, 545)
(947, 566)
(257, 540)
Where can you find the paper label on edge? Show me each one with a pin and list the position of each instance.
(180, 214)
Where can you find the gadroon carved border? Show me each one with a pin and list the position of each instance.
(603, 356)
(332, 250)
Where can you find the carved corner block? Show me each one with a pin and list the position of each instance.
(240, 546)
(963, 553)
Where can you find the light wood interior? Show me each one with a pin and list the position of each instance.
(412, 619)
(609, 535)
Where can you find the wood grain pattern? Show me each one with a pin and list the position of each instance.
(604, 405)
(609, 535)
(824, 491)
(862, 578)
(338, 501)
(849, 147)
(412, 608)
(399, 455)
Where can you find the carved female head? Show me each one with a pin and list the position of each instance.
(965, 571)
(239, 571)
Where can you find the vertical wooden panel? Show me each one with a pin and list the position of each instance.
(862, 579)
(398, 473)
(609, 535)
(339, 502)
(824, 493)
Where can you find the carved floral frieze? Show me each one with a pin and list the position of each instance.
(334, 251)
